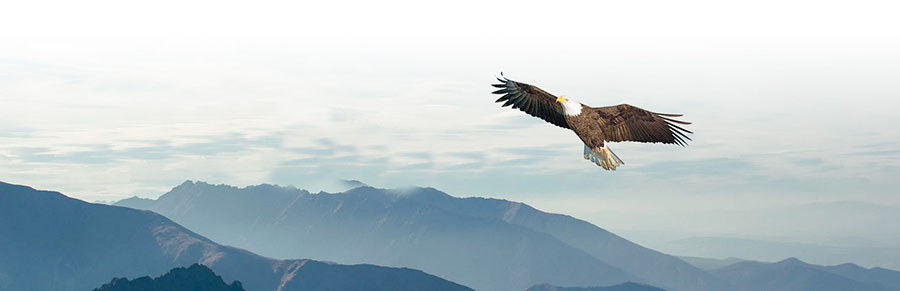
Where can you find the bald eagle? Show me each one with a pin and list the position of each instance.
(594, 125)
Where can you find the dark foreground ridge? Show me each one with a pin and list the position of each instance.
(193, 278)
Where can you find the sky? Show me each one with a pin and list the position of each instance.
(794, 103)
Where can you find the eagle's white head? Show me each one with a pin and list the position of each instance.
(570, 107)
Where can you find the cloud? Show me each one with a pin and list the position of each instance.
(784, 112)
(705, 167)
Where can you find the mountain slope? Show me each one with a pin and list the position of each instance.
(484, 243)
(368, 225)
(710, 264)
(877, 276)
(790, 274)
(52, 242)
(196, 277)
(621, 287)
(824, 253)
(661, 269)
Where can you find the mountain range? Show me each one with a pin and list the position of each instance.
(710, 264)
(831, 252)
(52, 242)
(488, 244)
(793, 274)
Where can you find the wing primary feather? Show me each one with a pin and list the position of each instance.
(682, 142)
(529, 99)
(517, 102)
(668, 114)
(680, 134)
(679, 127)
(676, 121)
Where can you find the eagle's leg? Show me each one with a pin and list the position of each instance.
(603, 157)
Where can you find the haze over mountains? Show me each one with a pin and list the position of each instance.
(52, 242)
(488, 244)
(832, 252)
(793, 274)
(825, 233)
(365, 225)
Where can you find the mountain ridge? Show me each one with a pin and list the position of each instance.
(49, 241)
(794, 274)
(426, 214)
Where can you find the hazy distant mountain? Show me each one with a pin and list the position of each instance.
(710, 264)
(135, 202)
(877, 276)
(52, 242)
(793, 274)
(630, 286)
(352, 183)
(827, 252)
(194, 278)
(487, 244)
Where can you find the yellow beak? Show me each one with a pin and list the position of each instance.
(561, 99)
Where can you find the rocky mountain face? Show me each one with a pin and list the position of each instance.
(52, 242)
(487, 244)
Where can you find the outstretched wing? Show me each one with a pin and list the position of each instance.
(532, 100)
(628, 123)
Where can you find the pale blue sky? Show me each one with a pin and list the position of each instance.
(794, 102)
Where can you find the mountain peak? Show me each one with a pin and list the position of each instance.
(424, 192)
(4, 185)
(352, 183)
(850, 266)
(791, 261)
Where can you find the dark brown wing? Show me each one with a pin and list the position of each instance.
(628, 123)
(532, 100)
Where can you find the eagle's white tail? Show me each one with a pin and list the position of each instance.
(603, 157)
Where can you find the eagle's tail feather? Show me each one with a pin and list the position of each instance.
(603, 157)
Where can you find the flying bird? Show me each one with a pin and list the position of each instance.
(596, 126)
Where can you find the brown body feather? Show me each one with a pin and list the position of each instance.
(596, 125)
